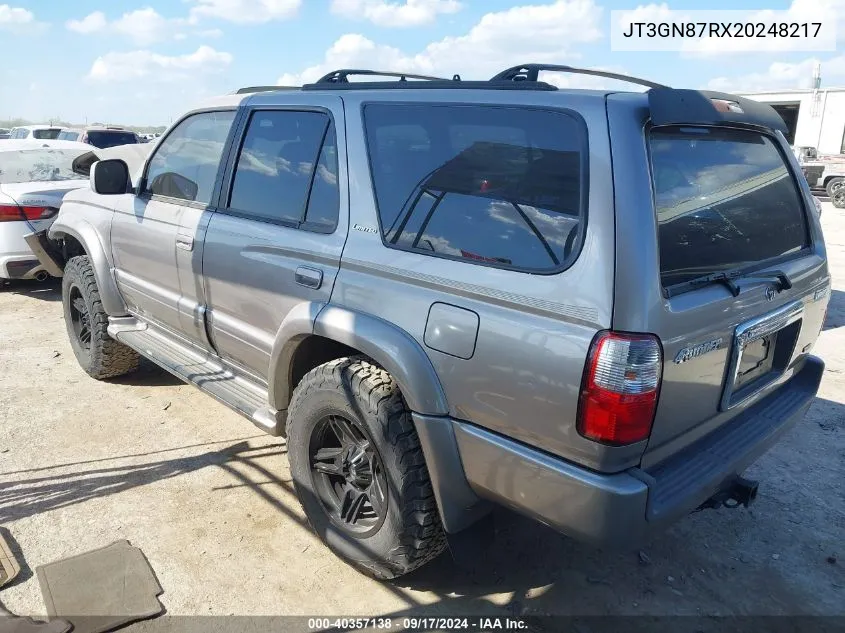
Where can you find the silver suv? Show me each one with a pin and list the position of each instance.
(594, 307)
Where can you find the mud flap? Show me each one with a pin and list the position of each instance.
(46, 252)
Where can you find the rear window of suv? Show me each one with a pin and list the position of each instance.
(489, 185)
(111, 138)
(725, 201)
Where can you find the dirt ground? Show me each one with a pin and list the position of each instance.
(209, 500)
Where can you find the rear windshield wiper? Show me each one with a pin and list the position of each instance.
(784, 282)
(729, 280)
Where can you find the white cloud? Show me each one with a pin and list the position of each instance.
(146, 26)
(115, 67)
(395, 14)
(537, 33)
(143, 27)
(17, 19)
(14, 15)
(245, 11)
(781, 75)
(91, 23)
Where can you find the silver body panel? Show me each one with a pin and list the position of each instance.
(489, 360)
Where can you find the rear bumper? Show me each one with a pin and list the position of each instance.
(622, 509)
(19, 267)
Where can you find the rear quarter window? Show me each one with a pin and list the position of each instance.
(489, 185)
(48, 134)
(725, 200)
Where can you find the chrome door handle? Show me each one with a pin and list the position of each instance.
(309, 277)
(185, 242)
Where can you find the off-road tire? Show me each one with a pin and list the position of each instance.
(106, 357)
(412, 533)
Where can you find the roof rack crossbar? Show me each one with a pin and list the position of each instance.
(447, 84)
(531, 72)
(342, 76)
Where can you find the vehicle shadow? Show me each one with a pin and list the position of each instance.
(835, 311)
(714, 562)
(50, 491)
(148, 374)
(49, 290)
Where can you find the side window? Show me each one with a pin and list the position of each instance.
(185, 164)
(324, 201)
(287, 170)
(486, 185)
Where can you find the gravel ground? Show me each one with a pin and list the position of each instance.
(209, 500)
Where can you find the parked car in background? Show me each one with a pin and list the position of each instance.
(101, 137)
(4, 133)
(448, 296)
(43, 132)
(35, 175)
(827, 172)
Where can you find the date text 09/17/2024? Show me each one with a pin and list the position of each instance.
(480, 624)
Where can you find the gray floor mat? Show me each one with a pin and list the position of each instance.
(14, 624)
(102, 589)
(9, 566)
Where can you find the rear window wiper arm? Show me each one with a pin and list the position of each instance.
(729, 280)
(784, 282)
(716, 278)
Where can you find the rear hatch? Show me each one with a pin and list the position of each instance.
(739, 269)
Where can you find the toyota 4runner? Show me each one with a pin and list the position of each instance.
(594, 307)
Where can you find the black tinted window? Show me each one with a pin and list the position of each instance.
(51, 134)
(725, 200)
(185, 164)
(280, 157)
(494, 185)
(110, 138)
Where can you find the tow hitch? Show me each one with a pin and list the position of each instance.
(741, 492)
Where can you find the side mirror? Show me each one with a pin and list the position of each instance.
(110, 177)
(174, 185)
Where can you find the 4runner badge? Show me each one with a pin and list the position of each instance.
(695, 351)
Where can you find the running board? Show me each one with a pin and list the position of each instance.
(201, 369)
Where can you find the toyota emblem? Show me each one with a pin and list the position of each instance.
(770, 294)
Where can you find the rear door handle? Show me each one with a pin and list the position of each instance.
(309, 277)
(185, 242)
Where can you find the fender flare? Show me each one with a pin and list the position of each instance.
(296, 326)
(86, 235)
(403, 357)
(393, 348)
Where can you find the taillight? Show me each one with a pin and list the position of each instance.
(15, 213)
(620, 388)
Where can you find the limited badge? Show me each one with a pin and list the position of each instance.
(695, 351)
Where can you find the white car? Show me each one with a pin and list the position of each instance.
(35, 175)
(40, 132)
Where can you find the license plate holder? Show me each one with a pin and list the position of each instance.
(761, 351)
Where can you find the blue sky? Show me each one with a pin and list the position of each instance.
(145, 61)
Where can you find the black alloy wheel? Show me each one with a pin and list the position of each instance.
(348, 476)
(80, 319)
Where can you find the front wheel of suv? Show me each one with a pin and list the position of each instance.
(99, 355)
(359, 471)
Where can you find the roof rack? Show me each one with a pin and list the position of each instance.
(251, 89)
(530, 72)
(342, 76)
